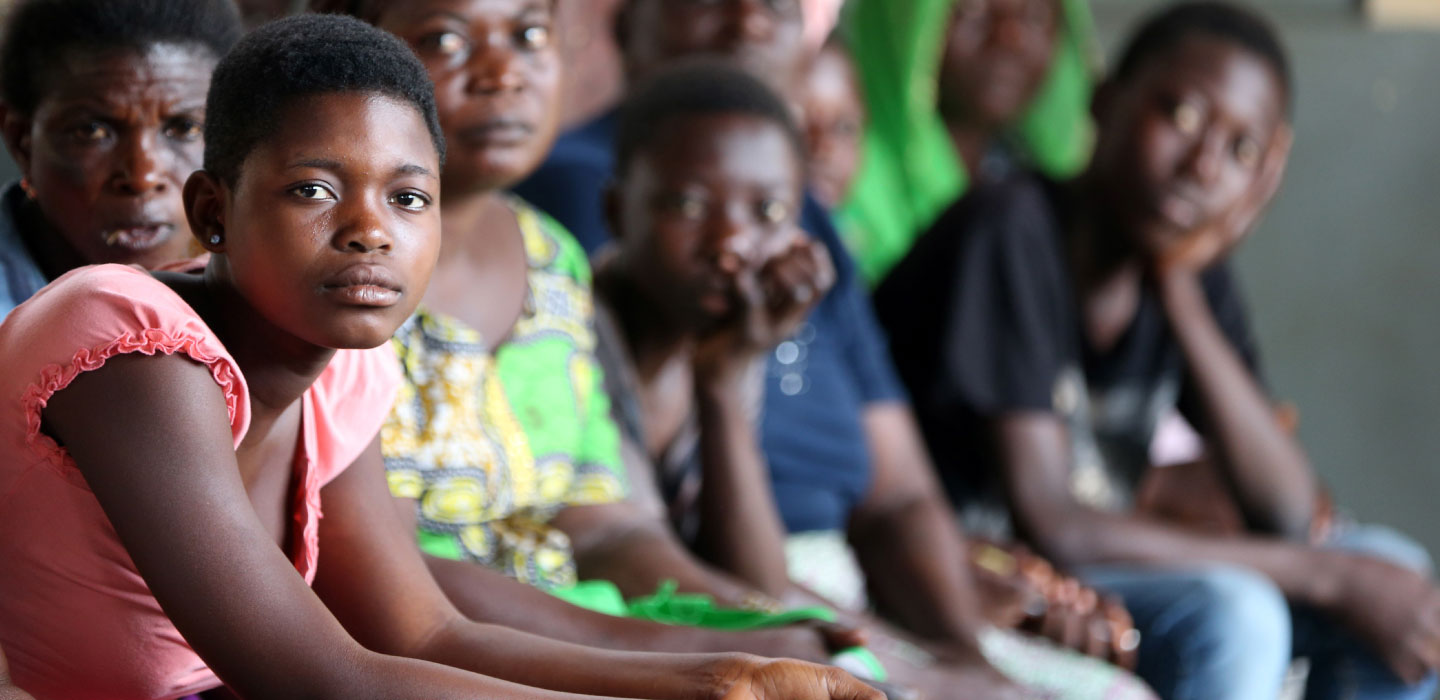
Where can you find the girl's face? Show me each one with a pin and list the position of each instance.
(708, 199)
(1181, 143)
(834, 125)
(497, 79)
(997, 53)
(109, 147)
(333, 227)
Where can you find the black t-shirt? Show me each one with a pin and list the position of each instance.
(984, 320)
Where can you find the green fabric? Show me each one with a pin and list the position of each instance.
(911, 172)
(670, 607)
(566, 415)
(493, 443)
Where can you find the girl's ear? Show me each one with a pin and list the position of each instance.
(15, 128)
(206, 198)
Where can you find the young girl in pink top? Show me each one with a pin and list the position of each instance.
(167, 439)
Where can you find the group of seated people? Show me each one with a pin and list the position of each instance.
(803, 372)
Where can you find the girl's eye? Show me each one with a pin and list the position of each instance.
(536, 37)
(447, 44)
(774, 211)
(315, 192)
(691, 208)
(1247, 152)
(93, 131)
(187, 130)
(410, 201)
(1186, 115)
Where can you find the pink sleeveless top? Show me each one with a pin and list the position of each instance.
(76, 619)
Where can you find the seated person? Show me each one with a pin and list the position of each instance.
(1011, 579)
(164, 454)
(102, 107)
(709, 271)
(1045, 330)
(958, 92)
(501, 446)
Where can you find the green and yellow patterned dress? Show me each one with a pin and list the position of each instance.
(493, 444)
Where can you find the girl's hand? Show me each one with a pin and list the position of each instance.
(752, 678)
(771, 304)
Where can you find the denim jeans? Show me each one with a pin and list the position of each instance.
(1217, 632)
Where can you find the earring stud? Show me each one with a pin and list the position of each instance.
(214, 239)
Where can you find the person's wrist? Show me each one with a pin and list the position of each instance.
(1331, 584)
(717, 676)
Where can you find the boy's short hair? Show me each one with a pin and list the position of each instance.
(304, 56)
(1206, 18)
(37, 32)
(697, 88)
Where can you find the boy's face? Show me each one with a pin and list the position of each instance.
(110, 146)
(333, 227)
(834, 125)
(997, 53)
(710, 199)
(497, 83)
(766, 37)
(1182, 142)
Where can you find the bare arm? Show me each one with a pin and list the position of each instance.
(1034, 451)
(619, 543)
(1265, 468)
(907, 538)
(400, 610)
(164, 470)
(740, 526)
(485, 596)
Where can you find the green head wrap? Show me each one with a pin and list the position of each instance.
(911, 172)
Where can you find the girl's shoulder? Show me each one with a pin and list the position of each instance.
(87, 316)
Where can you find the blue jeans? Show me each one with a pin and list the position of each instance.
(1216, 632)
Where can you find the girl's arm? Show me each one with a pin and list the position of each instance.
(375, 581)
(153, 441)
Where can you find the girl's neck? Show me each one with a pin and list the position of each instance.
(1099, 248)
(470, 218)
(971, 142)
(278, 366)
(655, 345)
(1107, 273)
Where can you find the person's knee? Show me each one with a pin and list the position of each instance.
(1242, 612)
(1386, 543)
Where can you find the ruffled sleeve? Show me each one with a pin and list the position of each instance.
(85, 318)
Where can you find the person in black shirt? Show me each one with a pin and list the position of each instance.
(1044, 330)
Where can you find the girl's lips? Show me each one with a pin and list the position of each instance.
(364, 295)
(364, 284)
